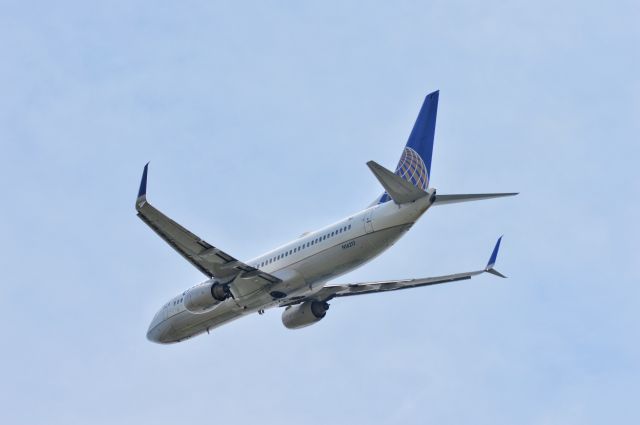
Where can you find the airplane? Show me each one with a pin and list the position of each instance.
(295, 276)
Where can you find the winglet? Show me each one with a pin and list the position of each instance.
(492, 260)
(142, 192)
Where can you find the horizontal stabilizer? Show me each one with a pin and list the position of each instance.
(454, 199)
(399, 189)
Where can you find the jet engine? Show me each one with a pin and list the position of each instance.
(204, 297)
(305, 314)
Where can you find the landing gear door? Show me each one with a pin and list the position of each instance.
(368, 221)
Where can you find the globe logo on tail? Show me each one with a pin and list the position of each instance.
(412, 168)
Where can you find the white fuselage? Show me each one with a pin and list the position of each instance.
(304, 265)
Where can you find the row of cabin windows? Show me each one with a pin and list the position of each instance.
(303, 246)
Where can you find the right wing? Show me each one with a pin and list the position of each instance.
(344, 290)
(210, 260)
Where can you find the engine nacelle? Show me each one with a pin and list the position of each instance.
(204, 297)
(305, 314)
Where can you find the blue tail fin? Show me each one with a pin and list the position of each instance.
(415, 162)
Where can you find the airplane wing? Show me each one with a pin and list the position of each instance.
(210, 260)
(344, 290)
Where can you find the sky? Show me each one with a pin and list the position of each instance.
(258, 119)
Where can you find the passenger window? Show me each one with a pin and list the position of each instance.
(332, 233)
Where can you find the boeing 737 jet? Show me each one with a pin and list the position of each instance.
(295, 276)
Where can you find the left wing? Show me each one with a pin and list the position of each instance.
(210, 260)
(332, 291)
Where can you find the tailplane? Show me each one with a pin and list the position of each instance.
(454, 199)
(399, 189)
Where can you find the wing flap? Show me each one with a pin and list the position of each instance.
(329, 292)
(335, 291)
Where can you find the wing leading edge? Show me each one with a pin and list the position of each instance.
(345, 290)
(211, 261)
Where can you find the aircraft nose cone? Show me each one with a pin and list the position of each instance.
(153, 333)
(160, 333)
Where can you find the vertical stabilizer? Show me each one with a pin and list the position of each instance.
(415, 162)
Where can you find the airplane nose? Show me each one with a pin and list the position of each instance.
(160, 333)
(153, 333)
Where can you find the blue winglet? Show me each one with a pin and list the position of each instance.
(142, 192)
(494, 255)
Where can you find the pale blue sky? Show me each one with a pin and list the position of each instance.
(258, 118)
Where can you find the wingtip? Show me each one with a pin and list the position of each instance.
(142, 191)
